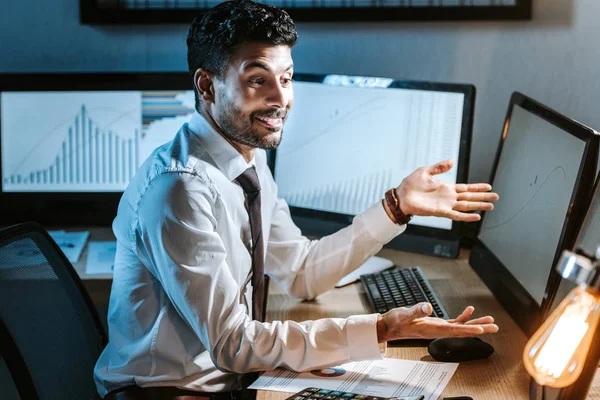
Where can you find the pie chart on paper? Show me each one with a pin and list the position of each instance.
(330, 372)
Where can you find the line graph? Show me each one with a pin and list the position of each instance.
(528, 202)
(85, 141)
(79, 141)
(343, 147)
(88, 154)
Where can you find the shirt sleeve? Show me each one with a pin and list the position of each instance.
(306, 268)
(181, 247)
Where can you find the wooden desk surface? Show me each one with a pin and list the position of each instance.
(501, 377)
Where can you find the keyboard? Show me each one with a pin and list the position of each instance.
(402, 287)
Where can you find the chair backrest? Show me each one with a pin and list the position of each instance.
(50, 332)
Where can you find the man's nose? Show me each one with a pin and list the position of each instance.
(279, 96)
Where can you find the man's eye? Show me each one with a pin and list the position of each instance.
(286, 81)
(258, 81)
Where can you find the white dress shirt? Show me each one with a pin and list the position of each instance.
(179, 306)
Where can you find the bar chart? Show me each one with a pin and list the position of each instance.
(158, 105)
(78, 141)
(163, 114)
(88, 155)
(351, 196)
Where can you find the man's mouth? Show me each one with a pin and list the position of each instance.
(270, 122)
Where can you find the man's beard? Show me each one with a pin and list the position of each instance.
(245, 134)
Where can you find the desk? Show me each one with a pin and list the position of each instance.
(501, 377)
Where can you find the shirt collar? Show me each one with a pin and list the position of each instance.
(227, 158)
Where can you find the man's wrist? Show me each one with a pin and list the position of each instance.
(394, 207)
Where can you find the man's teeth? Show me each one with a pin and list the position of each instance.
(271, 120)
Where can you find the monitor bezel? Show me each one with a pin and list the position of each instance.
(327, 222)
(522, 307)
(75, 208)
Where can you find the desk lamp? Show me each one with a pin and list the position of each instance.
(556, 353)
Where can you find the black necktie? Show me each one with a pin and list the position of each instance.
(248, 180)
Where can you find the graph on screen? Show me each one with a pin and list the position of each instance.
(343, 147)
(84, 141)
(535, 177)
(163, 114)
(346, 197)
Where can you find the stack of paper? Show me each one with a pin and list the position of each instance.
(384, 378)
(71, 243)
(101, 257)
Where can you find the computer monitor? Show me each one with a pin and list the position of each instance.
(543, 173)
(70, 143)
(350, 138)
(588, 239)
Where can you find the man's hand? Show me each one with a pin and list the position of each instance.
(421, 194)
(414, 323)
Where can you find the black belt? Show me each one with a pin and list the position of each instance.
(169, 393)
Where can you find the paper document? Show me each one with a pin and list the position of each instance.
(71, 243)
(372, 265)
(385, 378)
(101, 257)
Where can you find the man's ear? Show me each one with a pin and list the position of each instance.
(204, 82)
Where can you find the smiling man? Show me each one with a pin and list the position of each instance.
(200, 225)
(251, 101)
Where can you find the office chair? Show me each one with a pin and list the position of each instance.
(50, 332)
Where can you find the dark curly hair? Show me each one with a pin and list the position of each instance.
(213, 38)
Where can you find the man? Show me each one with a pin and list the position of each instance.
(185, 304)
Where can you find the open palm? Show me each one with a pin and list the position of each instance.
(421, 194)
(414, 323)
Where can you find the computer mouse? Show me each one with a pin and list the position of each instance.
(449, 349)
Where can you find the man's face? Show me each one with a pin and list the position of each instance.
(253, 98)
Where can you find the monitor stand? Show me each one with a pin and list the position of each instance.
(448, 248)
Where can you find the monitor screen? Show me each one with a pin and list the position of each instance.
(75, 140)
(542, 176)
(535, 177)
(345, 144)
(84, 141)
(348, 139)
(70, 142)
